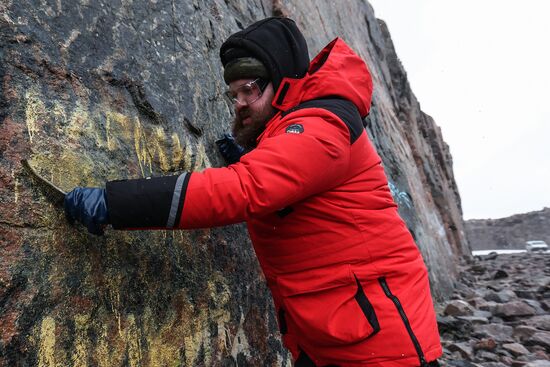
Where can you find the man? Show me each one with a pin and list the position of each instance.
(349, 285)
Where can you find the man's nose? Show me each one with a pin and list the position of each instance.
(240, 106)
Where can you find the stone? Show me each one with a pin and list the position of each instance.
(464, 349)
(506, 295)
(536, 306)
(500, 274)
(526, 294)
(483, 355)
(491, 256)
(506, 359)
(515, 308)
(458, 308)
(485, 344)
(451, 325)
(539, 354)
(516, 349)
(523, 332)
(502, 296)
(543, 282)
(473, 319)
(466, 291)
(491, 295)
(462, 363)
(456, 356)
(540, 338)
(541, 322)
(497, 320)
(478, 269)
(538, 363)
(489, 306)
(476, 301)
(498, 332)
(484, 314)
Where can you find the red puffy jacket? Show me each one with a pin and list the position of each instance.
(348, 282)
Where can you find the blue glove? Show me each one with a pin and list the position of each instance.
(88, 206)
(229, 149)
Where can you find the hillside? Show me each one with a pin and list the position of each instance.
(510, 232)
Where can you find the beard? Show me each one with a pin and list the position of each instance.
(246, 135)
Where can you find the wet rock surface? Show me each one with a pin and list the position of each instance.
(499, 320)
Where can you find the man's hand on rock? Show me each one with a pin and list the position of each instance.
(229, 149)
(88, 205)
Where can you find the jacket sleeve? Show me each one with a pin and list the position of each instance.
(285, 168)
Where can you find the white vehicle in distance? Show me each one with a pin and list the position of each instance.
(536, 246)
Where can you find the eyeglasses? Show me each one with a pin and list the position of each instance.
(247, 93)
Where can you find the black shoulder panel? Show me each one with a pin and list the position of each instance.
(344, 109)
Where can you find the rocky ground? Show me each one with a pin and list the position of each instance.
(499, 314)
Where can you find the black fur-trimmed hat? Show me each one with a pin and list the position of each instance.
(275, 42)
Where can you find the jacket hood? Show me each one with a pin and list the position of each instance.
(336, 72)
(276, 42)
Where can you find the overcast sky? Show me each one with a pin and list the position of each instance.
(481, 69)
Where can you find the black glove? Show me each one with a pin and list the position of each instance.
(88, 206)
(229, 149)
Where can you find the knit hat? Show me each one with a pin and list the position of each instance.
(243, 68)
(275, 43)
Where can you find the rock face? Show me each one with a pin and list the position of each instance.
(102, 90)
(510, 232)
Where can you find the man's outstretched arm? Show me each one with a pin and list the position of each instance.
(285, 168)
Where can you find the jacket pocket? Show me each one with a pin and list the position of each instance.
(327, 306)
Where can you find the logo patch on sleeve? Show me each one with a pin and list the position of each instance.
(295, 129)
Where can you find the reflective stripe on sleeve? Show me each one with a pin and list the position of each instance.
(176, 201)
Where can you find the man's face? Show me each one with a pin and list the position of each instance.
(250, 117)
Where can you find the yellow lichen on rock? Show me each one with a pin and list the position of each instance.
(59, 115)
(220, 293)
(153, 146)
(133, 343)
(117, 127)
(35, 111)
(66, 169)
(187, 155)
(202, 160)
(198, 339)
(161, 144)
(102, 355)
(177, 151)
(16, 185)
(163, 343)
(81, 347)
(46, 350)
(83, 124)
(140, 147)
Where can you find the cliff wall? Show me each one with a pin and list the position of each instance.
(100, 90)
(510, 232)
